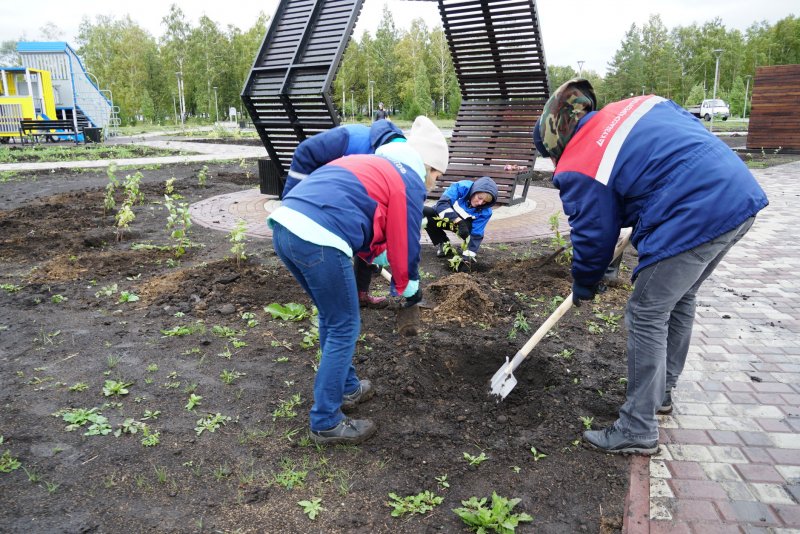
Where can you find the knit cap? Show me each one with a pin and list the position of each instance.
(429, 141)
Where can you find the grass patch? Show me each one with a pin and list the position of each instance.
(40, 153)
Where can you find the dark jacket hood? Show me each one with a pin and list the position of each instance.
(383, 131)
(484, 184)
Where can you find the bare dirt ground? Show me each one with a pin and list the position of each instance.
(213, 421)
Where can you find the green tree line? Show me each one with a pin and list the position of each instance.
(410, 71)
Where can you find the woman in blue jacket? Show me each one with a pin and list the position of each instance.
(464, 208)
(648, 164)
(366, 205)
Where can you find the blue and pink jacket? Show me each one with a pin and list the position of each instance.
(646, 163)
(373, 204)
(332, 144)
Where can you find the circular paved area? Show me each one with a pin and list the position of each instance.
(521, 222)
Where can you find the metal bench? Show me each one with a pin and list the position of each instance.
(32, 130)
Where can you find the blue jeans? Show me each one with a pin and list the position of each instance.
(659, 318)
(326, 274)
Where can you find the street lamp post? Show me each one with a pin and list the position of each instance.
(717, 52)
(580, 67)
(746, 88)
(216, 106)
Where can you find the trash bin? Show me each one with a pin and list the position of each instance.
(271, 181)
(95, 135)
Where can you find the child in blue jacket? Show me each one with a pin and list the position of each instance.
(464, 208)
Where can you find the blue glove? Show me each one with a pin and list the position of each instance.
(581, 292)
(411, 288)
(381, 260)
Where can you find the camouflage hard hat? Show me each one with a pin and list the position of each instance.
(568, 105)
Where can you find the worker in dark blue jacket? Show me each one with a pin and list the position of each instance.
(464, 208)
(648, 164)
(332, 144)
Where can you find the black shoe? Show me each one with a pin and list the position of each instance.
(613, 441)
(441, 249)
(363, 393)
(666, 404)
(348, 431)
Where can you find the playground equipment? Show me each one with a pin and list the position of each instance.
(52, 85)
(499, 61)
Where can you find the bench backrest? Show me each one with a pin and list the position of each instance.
(46, 125)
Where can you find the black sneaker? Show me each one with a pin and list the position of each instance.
(348, 431)
(613, 441)
(363, 393)
(441, 249)
(666, 404)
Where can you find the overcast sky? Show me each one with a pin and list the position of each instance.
(572, 30)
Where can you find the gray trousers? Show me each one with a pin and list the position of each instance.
(659, 318)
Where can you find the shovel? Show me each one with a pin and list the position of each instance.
(407, 316)
(504, 380)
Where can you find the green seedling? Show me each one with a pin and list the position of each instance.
(184, 330)
(178, 223)
(475, 460)
(594, 328)
(132, 193)
(611, 320)
(112, 361)
(237, 238)
(124, 218)
(8, 463)
(151, 414)
(211, 423)
(106, 291)
(115, 388)
(150, 438)
(202, 176)
(498, 517)
(537, 455)
(250, 318)
(290, 311)
(152, 368)
(566, 353)
(442, 482)
(228, 377)
(127, 296)
(58, 299)
(33, 476)
(10, 288)
(108, 200)
(51, 487)
(558, 241)
(129, 426)
(79, 386)
(290, 477)
(224, 331)
(311, 508)
(194, 401)
(78, 417)
(420, 503)
(238, 343)
(520, 325)
(587, 422)
(286, 408)
(169, 186)
(310, 337)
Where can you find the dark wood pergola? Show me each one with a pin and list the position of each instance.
(498, 58)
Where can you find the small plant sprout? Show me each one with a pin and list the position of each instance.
(290, 477)
(497, 517)
(132, 193)
(202, 176)
(566, 353)
(115, 388)
(106, 291)
(520, 325)
(237, 238)
(558, 242)
(286, 408)
(311, 508)
(169, 186)
(587, 422)
(151, 414)
(178, 223)
(250, 318)
(108, 200)
(194, 401)
(442, 482)
(211, 423)
(124, 218)
(79, 386)
(290, 311)
(420, 503)
(537, 455)
(10, 288)
(475, 460)
(127, 296)
(228, 377)
(58, 299)
(8, 463)
(150, 438)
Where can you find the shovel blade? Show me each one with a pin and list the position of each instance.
(503, 381)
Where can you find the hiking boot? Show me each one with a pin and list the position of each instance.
(613, 441)
(666, 404)
(365, 300)
(363, 393)
(441, 249)
(348, 431)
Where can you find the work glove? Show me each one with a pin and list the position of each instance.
(412, 293)
(581, 292)
(464, 228)
(381, 260)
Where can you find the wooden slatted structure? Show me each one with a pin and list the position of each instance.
(498, 57)
(287, 93)
(775, 114)
(499, 61)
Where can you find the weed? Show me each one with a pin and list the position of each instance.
(594, 328)
(58, 299)
(224, 331)
(558, 242)
(520, 325)
(475, 460)
(290, 477)
(33, 476)
(106, 291)
(10, 288)
(587, 422)
(152, 368)
(116, 388)
(211, 422)
(537, 455)
(161, 474)
(79, 386)
(184, 330)
(311, 508)
(151, 414)
(442, 482)
(194, 401)
(237, 238)
(8, 463)
(238, 343)
(250, 318)
(310, 337)
(611, 320)
(498, 517)
(51, 487)
(288, 312)
(286, 408)
(149, 438)
(420, 503)
(228, 377)
(202, 176)
(112, 361)
(127, 296)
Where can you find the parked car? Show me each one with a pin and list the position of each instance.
(717, 108)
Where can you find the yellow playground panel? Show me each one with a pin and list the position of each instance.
(24, 94)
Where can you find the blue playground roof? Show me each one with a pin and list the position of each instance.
(51, 46)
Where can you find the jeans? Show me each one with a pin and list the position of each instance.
(326, 274)
(659, 317)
